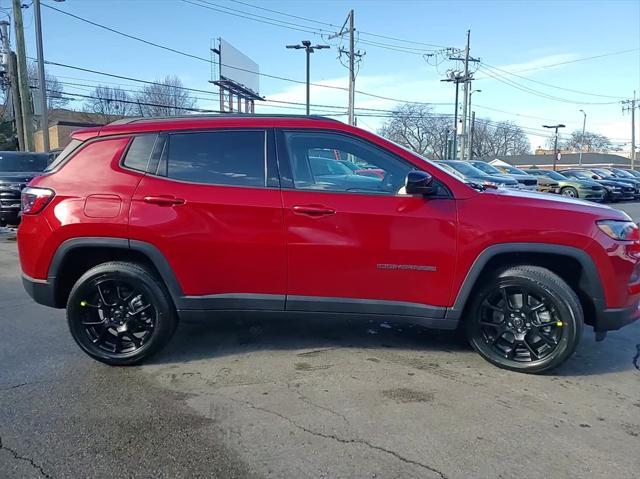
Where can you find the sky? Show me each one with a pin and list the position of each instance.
(536, 56)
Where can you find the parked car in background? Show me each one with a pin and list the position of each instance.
(527, 182)
(621, 173)
(16, 170)
(574, 188)
(615, 191)
(331, 173)
(608, 175)
(475, 175)
(634, 173)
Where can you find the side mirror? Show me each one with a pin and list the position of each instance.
(419, 183)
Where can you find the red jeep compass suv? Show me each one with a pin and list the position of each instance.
(147, 221)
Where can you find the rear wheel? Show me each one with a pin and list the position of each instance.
(525, 319)
(570, 191)
(120, 313)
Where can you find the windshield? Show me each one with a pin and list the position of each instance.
(623, 173)
(554, 175)
(486, 167)
(579, 174)
(602, 173)
(22, 162)
(513, 170)
(465, 168)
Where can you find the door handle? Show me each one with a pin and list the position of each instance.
(163, 200)
(313, 210)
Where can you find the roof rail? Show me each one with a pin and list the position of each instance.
(125, 121)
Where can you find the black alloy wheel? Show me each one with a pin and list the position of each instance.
(526, 319)
(119, 313)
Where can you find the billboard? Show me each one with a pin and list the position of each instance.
(237, 68)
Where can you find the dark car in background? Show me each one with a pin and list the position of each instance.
(527, 182)
(616, 191)
(331, 173)
(475, 175)
(571, 187)
(608, 175)
(16, 170)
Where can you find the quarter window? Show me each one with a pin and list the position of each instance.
(139, 152)
(220, 158)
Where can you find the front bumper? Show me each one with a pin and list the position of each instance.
(10, 216)
(40, 290)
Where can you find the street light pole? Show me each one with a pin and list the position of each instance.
(555, 142)
(584, 124)
(306, 45)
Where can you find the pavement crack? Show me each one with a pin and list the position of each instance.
(636, 358)
(348, 441)
(15, 386)
(18, 457)
(310, 402)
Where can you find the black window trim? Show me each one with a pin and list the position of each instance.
(284, 164)
(167, 146)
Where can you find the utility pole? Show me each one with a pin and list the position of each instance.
(306, 45)
(23, 81)
(44, 119)
(471, 128)
(584, 124)
(630, 105)
(352, 60)
(555, 142)
(9, 61)
(466, 80)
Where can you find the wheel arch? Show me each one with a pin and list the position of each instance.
(75, 256)
(573, 265)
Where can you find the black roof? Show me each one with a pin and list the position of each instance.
(566, 160)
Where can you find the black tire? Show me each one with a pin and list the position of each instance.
(544, 336)
(570, 191)
(120, 313)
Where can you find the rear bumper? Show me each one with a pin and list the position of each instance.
(616, 318)
(40, 290)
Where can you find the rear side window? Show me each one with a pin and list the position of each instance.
(139, 152)
(219, 158)
(63, 155)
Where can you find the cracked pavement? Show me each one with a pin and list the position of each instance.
(313, 398)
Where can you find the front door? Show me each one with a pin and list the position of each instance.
(210, 206)
(355, 242)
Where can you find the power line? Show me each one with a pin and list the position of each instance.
(538, 93)
(548, 84)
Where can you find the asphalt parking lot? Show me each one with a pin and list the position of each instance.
(283, 398)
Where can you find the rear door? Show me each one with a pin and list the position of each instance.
(211, 204)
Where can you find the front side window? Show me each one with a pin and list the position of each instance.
(219, 158)
(336, 162)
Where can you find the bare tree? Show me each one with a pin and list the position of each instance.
(54, 88)
(109, 102)
(417, 127)
(592, 142)
(164, 98)
(499, 139)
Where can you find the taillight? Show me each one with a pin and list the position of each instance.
(35, 199)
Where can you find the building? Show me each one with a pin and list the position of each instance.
(64, 122)
(567, 160)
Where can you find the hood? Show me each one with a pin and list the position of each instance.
(495, 179)
(561, 201)
(523, 177)
(612, 183)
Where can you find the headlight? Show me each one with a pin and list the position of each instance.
(619, 230)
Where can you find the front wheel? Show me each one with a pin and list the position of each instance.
(120, 313)
(526, 319)
(570, 191)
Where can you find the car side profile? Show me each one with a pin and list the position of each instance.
(145, 222)
(573, 188)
